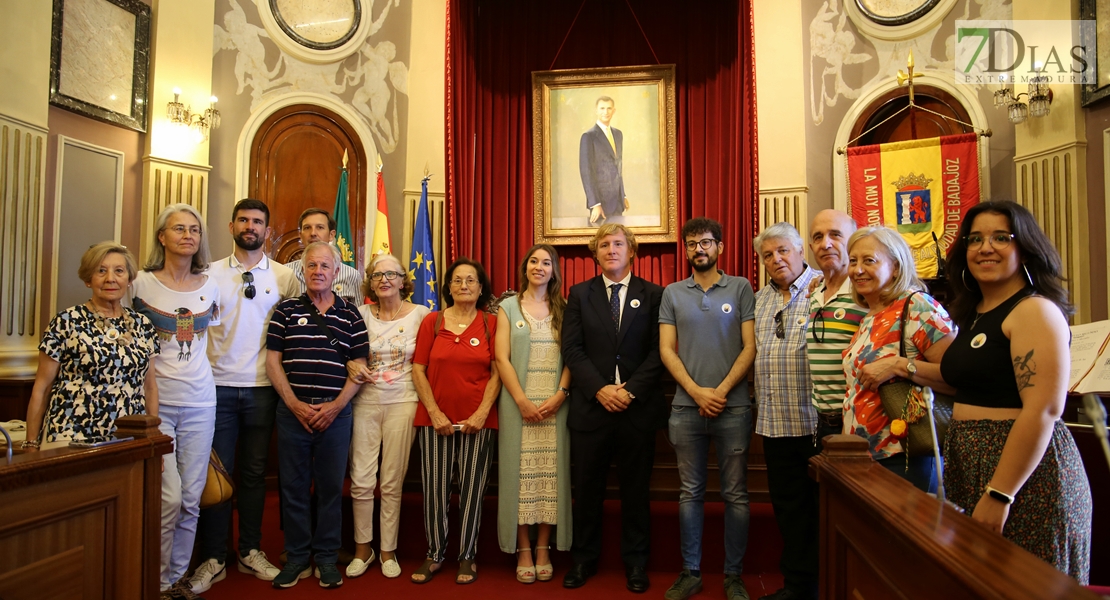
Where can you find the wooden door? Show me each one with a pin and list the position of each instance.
(911, 124)
(296, 162)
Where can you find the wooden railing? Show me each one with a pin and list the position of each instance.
(883, 538)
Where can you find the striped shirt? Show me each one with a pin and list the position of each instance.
(348, 283)
(314, 367)
(831, 327)
(782, 385)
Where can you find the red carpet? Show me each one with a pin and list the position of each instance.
(497, 578)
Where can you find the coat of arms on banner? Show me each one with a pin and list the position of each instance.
(914, 207)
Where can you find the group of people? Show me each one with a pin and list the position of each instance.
(561, 388)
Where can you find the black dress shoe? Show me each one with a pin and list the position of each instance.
(637, 580)
(578, 575)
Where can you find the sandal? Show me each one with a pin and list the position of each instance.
(545, 572)
(466, 569)
(425, 571)
(525, 574)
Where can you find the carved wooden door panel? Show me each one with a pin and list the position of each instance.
(911, 124)
(295, 163)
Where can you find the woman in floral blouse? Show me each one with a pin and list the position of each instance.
(884, 280)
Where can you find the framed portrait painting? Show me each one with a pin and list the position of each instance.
(99, 54)
(603, 151)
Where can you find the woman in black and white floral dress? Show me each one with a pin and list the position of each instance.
(94, 358)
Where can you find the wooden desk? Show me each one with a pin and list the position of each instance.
(883, 538)
(84, 523)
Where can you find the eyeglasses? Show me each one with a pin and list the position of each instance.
(249, 291)
(998, 240)
(818, 319)
(181, 229)
(388, 275)
(705, 244)
(470, 282)
(780, 331)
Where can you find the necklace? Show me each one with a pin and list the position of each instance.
(109, 330)
(395, 313)
(458, 323)
(978, 315)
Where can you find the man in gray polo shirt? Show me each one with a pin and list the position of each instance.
(707, 342)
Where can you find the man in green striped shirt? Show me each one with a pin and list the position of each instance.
(834, 317)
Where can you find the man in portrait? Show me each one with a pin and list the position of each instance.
(599, 160)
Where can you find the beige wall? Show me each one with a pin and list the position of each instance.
(780, 103)
(426, 127)
(25, 60)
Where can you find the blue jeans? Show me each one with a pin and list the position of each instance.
(731, 434)
(921, 471)
(245, 416)
(184, 472)
(310, 462)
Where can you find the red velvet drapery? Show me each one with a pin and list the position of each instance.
(492, 48)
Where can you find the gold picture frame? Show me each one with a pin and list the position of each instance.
(575, 162)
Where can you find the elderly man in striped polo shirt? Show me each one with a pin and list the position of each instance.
(834, 317)
(309, 343)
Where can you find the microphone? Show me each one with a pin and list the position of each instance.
(940, 256)
(927, 393)
(1094, 410)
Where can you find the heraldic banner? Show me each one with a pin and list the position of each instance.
(919, 188)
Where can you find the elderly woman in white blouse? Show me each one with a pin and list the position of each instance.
(383, 410)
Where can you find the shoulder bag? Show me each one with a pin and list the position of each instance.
(905, 400)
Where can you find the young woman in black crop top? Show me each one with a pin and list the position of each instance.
(1011, 462)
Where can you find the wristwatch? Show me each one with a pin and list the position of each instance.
(911, 368)
(1000, 496)
(564, 391)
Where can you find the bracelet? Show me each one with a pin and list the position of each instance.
(564, 390)
(1002, 497)
(29, 444)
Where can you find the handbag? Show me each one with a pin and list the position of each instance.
(218, 488)
(905, 400)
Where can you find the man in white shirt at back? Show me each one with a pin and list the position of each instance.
(250, 286)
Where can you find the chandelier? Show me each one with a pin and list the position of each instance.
(1039, 99)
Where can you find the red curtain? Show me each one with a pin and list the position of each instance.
(492, 48)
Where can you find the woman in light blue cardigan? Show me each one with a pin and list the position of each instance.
(533, 441)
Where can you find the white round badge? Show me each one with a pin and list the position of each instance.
(979, 340)
(267, 290)
(520, 324)
(474, 342)
(839, 313)
(726, 308)
(302, 321)
(339, 287)
(634, 304)
(801, 321)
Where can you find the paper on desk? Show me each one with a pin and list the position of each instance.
(1087, 342)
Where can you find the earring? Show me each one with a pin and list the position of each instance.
(1027, 275)
(963, 278)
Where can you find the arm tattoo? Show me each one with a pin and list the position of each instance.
(1024, 370)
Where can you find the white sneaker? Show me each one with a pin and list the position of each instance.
(209, 572)
(256, 564)
(357, 566)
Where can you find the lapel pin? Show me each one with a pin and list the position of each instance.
(635, 303)
(520, 324)
(302, 321)
(979, 340)
(726, 308)
(801, 321)
(474, 342)
(839, 313)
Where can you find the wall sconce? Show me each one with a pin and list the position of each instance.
(1039, 96)
(203, 123)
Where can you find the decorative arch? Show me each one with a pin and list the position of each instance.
(938, 79)
(269, 106)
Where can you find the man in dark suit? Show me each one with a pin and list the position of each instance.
(599, 160)
(610, 340)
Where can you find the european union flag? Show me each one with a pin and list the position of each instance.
(422, 270)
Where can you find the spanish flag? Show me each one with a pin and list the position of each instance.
(919, 188)
(380, 244)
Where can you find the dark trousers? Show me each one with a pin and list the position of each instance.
(794, 496)
(592, 452)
